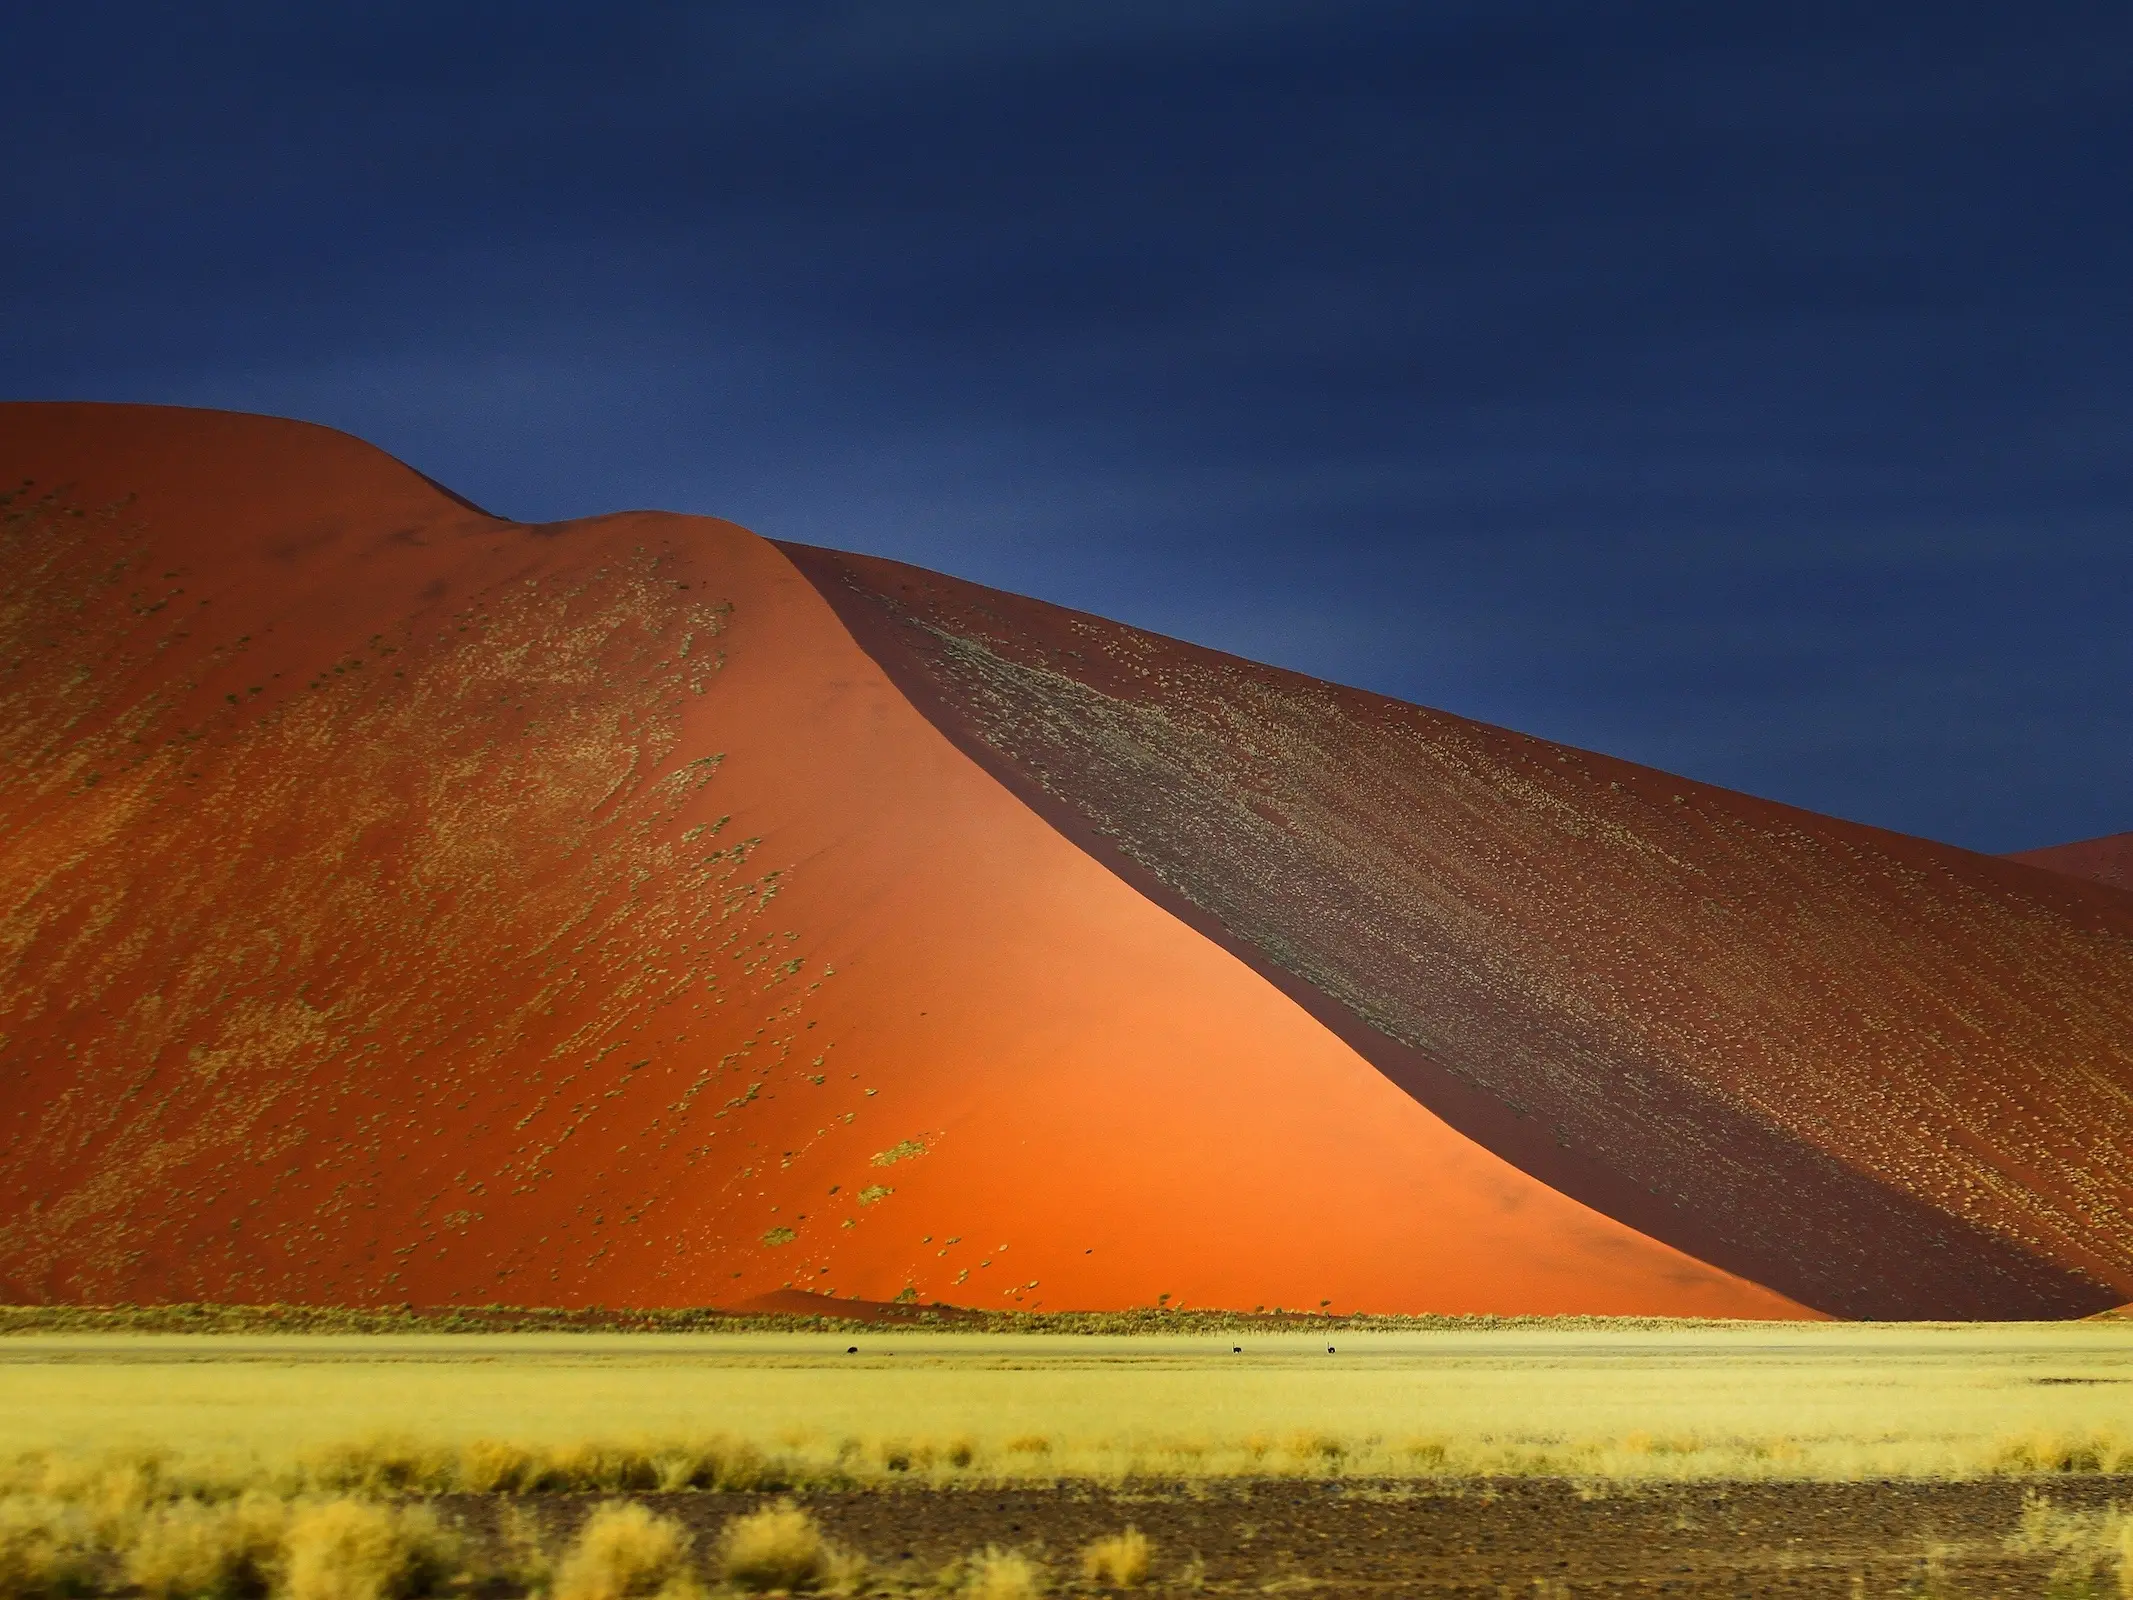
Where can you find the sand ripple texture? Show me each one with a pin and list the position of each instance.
(399, 903)
(1887, 1077)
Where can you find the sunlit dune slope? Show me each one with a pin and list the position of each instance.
(402, 904)
(2108, 860)
(1886, 1077)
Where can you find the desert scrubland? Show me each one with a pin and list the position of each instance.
(1713, 1401)
(1804, 1459)
(1079, 1030)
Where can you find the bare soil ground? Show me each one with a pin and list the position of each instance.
(1526, 1538)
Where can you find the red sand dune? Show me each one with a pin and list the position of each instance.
(403, 904)
(1885, 1077)
(2108, 860)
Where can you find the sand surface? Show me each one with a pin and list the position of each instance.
(2108, 860)
(403, 904)
(1888, 1077)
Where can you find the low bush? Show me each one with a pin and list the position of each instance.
(625, 1551)
(47, 1549)
(781, 1548)
(387, 1466)
(1119, 1561)
(354, 1550)
(492, 1466)
(382, 1465)
(522, 1559)
(996, 1574)
(188, 1550)
(2064, 1453)
(2092, 1551)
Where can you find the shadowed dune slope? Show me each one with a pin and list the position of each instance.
(402, 904)
(2108, 860)
(1886, 1077)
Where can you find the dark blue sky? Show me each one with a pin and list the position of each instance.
(1742, 388)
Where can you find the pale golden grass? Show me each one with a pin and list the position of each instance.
(399, 1463)
(179, 1547)
(625, 1551)
(2091, 1551)
(621, 1414)
(996, 1574)
(347, 1549)
(1119, 1561)
(219, 1550)
(521, 1558)
(47, 1548)
(780, 1549)
(816, 1462)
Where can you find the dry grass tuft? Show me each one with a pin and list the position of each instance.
(385, 1466)
(600, 1468)
(2092, 1550)
(782, 1548)
(218, 1551)
(1119, 1561)
(47, 1549)
(381, 1465)
(626, 1551)
(522, 1560)
(2064, 1452)
(996, 1574)
(493, 1466)
(353, 1550)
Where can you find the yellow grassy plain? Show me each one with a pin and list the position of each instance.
(1744, 1400)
